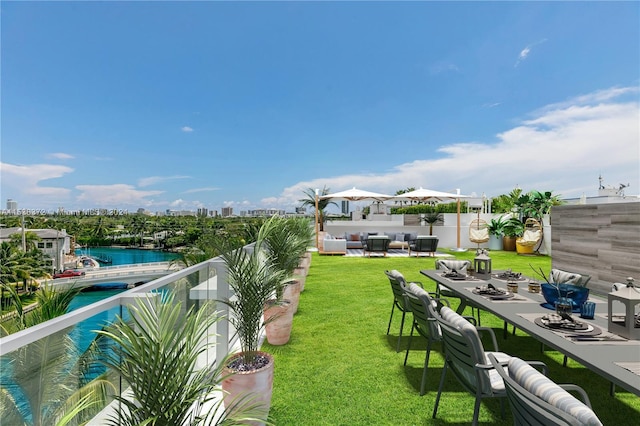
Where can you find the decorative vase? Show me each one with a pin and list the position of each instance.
(259, 382)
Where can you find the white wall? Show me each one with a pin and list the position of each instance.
(447, 233)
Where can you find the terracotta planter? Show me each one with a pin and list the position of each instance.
(509, 243)
(257, 382)
(292, 293)
(301, 278)
(279, 322)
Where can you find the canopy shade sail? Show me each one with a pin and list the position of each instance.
(355, 194)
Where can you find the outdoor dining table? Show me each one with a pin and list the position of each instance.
(612, 357)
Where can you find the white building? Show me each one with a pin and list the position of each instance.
(55, 244)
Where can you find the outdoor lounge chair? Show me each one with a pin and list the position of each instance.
(531, 237)
(478, 231)
(466, 358)
(424, 244)
(536, 400)
(377, 244)
(422, 306)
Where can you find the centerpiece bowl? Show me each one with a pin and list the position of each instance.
(576, 294)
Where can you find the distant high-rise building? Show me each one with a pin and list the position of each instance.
(12, 205)
(227, 211)
(204, 212)
(345, 207)
(301, 210)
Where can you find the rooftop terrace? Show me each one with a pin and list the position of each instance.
(340, 367)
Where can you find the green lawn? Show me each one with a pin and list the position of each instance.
(340, 367)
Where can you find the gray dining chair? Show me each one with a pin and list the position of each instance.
(466, 358)
(398, 287)
(538, 401)
(459, 266)
(421, 303)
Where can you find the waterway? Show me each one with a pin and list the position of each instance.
(118, 256)
(122, 256)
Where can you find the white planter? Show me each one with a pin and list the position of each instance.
(495, 242)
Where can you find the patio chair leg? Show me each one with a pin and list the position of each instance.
(564, 361)
(401, 328)
(406, 356)
(612, 389)
(435, 407)
(424, 371)
(476, 412)
(393, 307)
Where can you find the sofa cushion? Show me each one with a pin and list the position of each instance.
(354, 237)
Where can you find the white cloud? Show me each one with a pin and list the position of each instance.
(28, 180)
(61, 156)
(114, 196)
(194, 190)
(561, 148)
(524, 53)
(152, 180)
(186, 129)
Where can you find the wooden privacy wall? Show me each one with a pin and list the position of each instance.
(602, 240)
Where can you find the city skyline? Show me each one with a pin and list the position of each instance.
(180, 106)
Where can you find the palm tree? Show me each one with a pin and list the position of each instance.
(30, 240)
(322, 203)
(157, 356)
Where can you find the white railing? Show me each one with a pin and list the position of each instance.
(193, 286)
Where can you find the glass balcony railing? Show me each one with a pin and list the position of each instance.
(43, 367)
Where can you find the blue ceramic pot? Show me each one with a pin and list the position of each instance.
(576, 294)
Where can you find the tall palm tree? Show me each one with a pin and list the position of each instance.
(322, 203)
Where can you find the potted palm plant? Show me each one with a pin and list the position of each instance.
(285, 248)
(496, 232)
(513, 228)
(253, 280)
(157, 355)
(432, 218)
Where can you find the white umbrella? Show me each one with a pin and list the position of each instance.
(422, 194)
(355, 194)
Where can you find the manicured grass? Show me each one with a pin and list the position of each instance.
(340, 367)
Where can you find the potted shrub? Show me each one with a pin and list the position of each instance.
(513, 228)
(253, 280)
(157, 355)
(285, 248)
(496, 232)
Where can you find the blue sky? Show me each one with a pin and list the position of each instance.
(180, 105)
